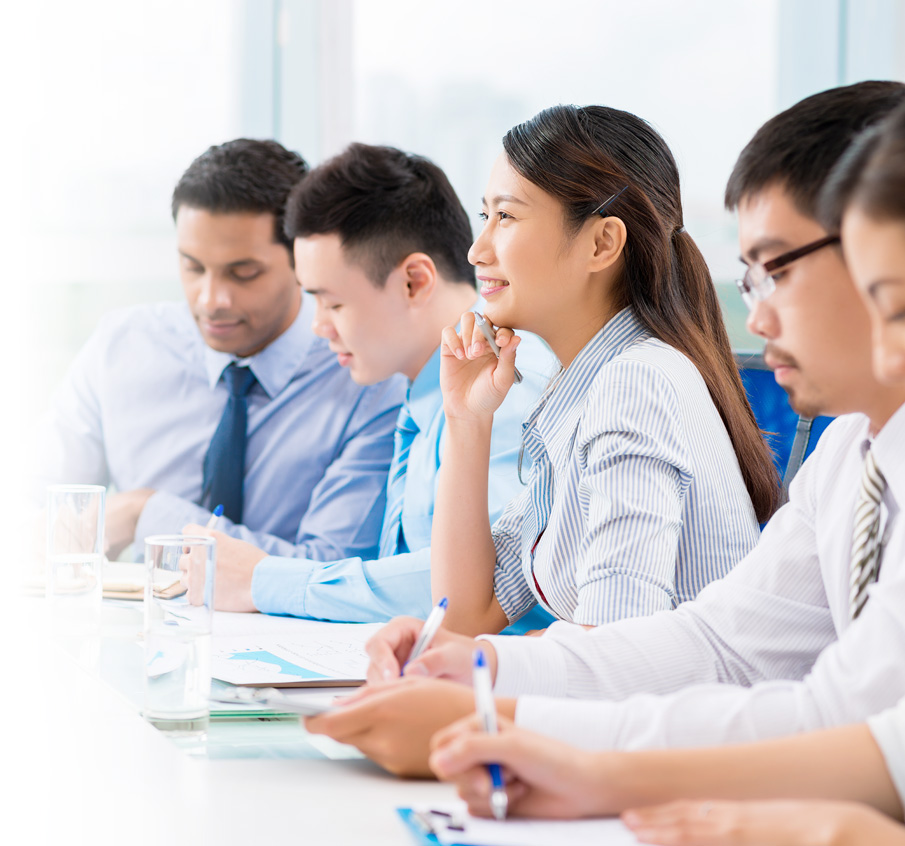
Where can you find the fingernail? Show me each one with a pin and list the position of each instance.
(460, 353)
(415, 670)
(388, 674)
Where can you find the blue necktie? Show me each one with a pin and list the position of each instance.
(392, 540)
(224, 464)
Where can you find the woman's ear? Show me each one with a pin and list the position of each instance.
(608, 242)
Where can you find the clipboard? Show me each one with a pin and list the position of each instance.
(417, 827)
(451, 825)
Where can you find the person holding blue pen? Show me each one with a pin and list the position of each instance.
(227, 397)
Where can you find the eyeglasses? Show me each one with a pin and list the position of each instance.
(600, 209)
(758, 282)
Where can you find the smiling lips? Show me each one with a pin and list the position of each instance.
(491, 286)
(342, 357)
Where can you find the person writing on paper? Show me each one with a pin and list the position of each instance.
(852, 764)
(227, 398)
(381, 243)
(779, 645)
(649, 474)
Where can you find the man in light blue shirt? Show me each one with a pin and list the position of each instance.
(143, 399)
(381, 242)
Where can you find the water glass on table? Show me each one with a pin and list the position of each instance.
(177, 632)
(74, 558)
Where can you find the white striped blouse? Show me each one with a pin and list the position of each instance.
(635, 500)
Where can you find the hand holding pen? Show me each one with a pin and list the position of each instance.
(486, 709)
(475, 375)
(490, 335)
(450, 655)
(431, 627)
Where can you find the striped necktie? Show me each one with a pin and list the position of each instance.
(392, 541)
(866, 541)
(224, 465)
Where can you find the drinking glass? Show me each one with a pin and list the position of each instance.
(75, 555)
(178, 604)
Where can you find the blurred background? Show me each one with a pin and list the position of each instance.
(111, 100)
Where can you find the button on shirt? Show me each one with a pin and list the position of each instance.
(636, 499)
(769, 650)
(144, 396)
(361, 590)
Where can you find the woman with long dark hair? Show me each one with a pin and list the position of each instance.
(841, 785)
(648, 471)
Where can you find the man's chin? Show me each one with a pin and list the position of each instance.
(803, 406)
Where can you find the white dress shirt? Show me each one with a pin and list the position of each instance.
(768, 650)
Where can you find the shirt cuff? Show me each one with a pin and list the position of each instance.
(166, 514)
(279, 585)
(528, 665)
(888, 729)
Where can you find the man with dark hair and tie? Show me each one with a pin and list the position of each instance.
(228, 398)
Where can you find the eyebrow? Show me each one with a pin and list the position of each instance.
(503, 198)
(238, 263)
(762, 246)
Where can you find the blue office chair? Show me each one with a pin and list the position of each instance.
(791, 437)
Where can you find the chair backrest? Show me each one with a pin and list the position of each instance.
(791, 437)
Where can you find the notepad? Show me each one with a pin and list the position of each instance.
(452, 824)
(304, 653)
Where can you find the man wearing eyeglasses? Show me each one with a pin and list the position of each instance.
(808, 630)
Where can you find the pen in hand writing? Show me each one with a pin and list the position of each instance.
(488, 333)
(428, 630)
(486, 708)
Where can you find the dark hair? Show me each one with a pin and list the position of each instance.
(582, 156)
(384, 204)
(799, 147)
(242, 176)
(871, 175)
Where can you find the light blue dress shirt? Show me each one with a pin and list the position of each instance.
(141, 402)
(362, 590)
(636, 499)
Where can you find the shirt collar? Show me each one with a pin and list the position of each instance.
(424, 397)
(275, 365)
(889, 450)
(569, 388)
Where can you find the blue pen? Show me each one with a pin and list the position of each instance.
(486, 708)
(428, 630)
(218, 513)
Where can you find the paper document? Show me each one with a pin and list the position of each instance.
(453, 824)
(307, 654)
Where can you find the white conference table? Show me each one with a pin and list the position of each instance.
(82, 766)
